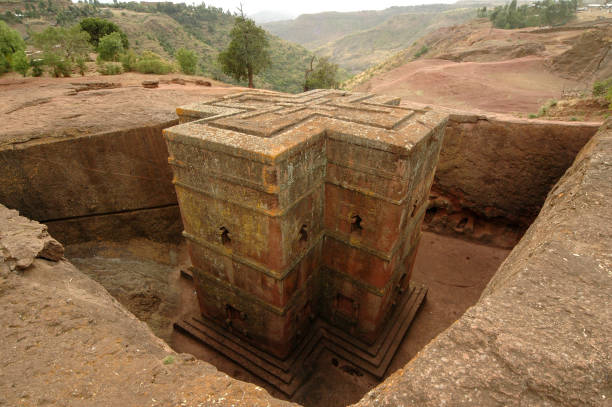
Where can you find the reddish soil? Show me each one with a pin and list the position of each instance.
(516, 85)
(474, 66)
(142, 272)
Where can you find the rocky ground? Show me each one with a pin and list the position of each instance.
(540, 333)
(66, 342)
(144, 276)
(474, 66)
(43, 108)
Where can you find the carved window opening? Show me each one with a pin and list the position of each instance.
(303, 234)
(345, 305)
(462, 223)
(356, 223)
(400, 283)
(232, 313)
(225, 238)
(414, 209)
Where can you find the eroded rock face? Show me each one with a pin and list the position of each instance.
(22, 240)
(494, 174)
(540, 334)
(66, 342)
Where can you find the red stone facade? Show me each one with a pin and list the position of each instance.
(297, 207)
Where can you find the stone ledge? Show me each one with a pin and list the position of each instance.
(22, 240)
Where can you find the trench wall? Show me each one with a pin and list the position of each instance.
(540, 333)
(107, 186)
(492, 178)
(494, 174)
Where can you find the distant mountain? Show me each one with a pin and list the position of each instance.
(267, 16)
(359, 40)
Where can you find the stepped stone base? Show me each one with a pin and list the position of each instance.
(288, 374)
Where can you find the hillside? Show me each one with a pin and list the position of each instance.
(475, 66)
(165, 27)
(357, 40)
(359, 51)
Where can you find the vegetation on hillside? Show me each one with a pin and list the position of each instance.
(11, 46)
(603, 88)
(539, 13)
(322, 76)
(247, 53)
(58, 11)
(164, 28)
(359, 40)
(62, 48)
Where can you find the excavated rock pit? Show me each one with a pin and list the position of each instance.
(494, 172)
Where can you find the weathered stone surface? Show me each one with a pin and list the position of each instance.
(114, 185)
(95, 164)
(152, 84)
(22, 240)
(66, 342)
(504, 168)
(540, 334)
(113, 172)
(495, 171)
(298, 206)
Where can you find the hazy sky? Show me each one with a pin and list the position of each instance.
(309, 6)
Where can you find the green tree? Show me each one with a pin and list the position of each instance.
(247, 53)
(323, 76)
(99, 27)
(110, 46)
(61, 46)
(10, 43)
(188, 61)
(21, 63)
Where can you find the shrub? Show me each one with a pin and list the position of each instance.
(150, 62)
(36, 65)
(421, 51)
(128, 61)
(20, 63)
(110, 46)
(110, 68)
(600, 88)
(80, 63)
(188, 61)
(156, 66)
(10, 44)
(546, 107)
